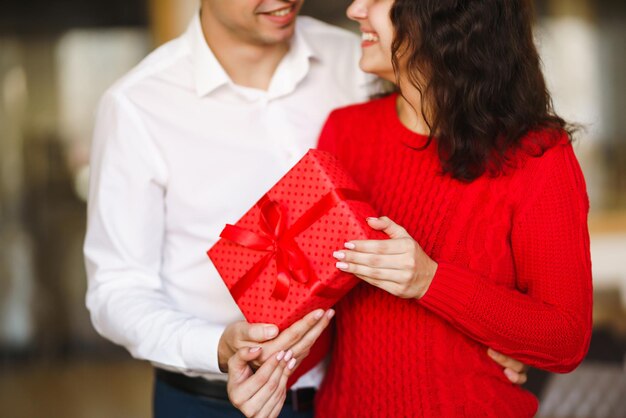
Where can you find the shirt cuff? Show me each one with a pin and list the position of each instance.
(199, 348)
(451, 291)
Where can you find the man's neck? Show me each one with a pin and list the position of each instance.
(246, 63)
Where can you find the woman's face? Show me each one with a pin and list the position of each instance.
(377, 35)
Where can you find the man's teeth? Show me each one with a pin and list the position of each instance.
(281, 12)
(369, 36)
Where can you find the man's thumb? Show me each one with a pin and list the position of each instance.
(262, 332)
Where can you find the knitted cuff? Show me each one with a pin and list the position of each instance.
(451, 291)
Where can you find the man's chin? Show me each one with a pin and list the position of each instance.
(277, 37)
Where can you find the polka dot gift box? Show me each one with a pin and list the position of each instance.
(277, 259)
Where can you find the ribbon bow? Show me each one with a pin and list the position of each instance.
(291, 263)
(278, 241)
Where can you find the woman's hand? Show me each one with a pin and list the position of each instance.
(400, 266)
(259, 394)
(397, 265)
(299, 338)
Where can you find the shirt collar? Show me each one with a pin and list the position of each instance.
(209, 73)
(294, 66)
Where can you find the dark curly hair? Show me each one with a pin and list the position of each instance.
(485, 91)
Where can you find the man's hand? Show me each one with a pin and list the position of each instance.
(242, 334)
(298, 338)
(259, 394)
(515, 371)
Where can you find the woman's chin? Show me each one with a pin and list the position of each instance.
(384, 73)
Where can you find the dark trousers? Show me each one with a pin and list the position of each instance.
(170, 402)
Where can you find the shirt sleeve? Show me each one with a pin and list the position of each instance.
(123, 248)
(546, 321)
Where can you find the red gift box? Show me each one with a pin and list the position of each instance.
(277, 259)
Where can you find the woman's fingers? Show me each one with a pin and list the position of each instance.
(274, 404)
(242, 383)
(238, 369)
(380, 246)
(306, 342)
(279, 405)
(388, 226)
(299, 329)
(259, 394)
(394, 281)
(292, 335)
(398, 265)
(254, 406)
(375, 275)
(386, 261)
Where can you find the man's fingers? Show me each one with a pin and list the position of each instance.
(514, 370)
(506, 361)
(258, 332)
(515, 377)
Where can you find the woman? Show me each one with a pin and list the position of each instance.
(486, 209)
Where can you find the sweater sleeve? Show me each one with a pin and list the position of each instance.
(546, 321)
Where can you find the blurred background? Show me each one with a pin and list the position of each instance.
(57, 58)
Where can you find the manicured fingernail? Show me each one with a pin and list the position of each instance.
(371, 218)
(339, 255)
(288, 355)
(330, 313)
(341, 266)
(318, 314)
(510, 374)
(349, 245)
(292, 364)
(254, 349)
(280, 356)
(271, 332)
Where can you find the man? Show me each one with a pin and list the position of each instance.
(184, 144)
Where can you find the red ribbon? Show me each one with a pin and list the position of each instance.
(278, 241)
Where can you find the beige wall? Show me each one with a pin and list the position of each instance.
(170, 17)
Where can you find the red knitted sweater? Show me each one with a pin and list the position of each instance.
(514, 275)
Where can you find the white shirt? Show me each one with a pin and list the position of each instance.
(178, 152)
